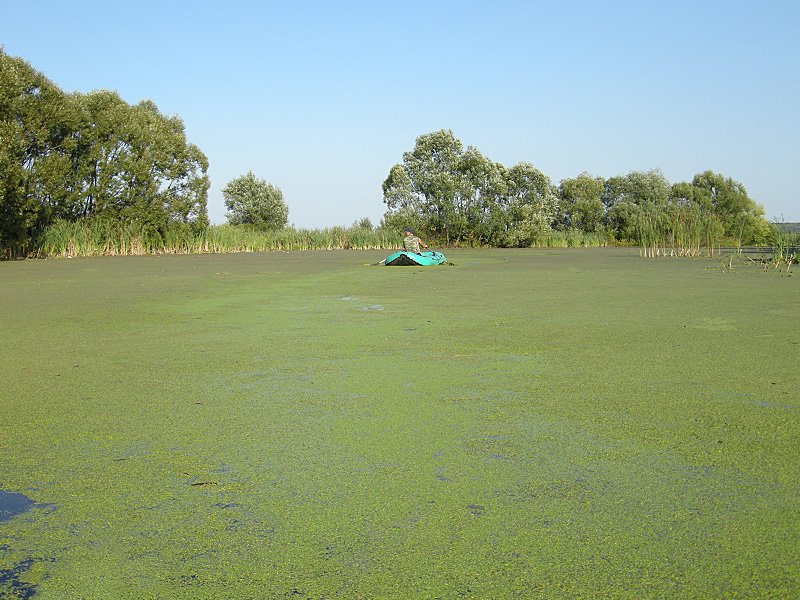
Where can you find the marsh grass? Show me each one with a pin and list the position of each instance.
(784, 245)
(679, 231)
(782, 249)
(114, 238)
(574, 238)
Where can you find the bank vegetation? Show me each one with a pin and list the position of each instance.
(89, 174)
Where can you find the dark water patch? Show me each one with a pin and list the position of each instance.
(13, 504)
(11, 581)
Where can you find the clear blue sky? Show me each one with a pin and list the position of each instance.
(322, 98)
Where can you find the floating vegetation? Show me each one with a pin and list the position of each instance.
(563, 423)
(12, 585)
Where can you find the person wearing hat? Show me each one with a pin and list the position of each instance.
(411, 243)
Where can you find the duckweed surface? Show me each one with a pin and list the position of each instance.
(577, 423)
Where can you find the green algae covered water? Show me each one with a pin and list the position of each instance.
(546, 424)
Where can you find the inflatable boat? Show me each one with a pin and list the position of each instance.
(410, 259)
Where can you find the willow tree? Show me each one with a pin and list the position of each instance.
(137, 164)
(250, 200)
(741, 216)
(430, 173)
(531, 205)
(628, 197)
(581, 203)
(37, 136)
(459, 194)
(77, 156)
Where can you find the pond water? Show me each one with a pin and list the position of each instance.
(13, 504)
(550, 424)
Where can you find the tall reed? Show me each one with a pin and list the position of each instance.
(111, 238)
(677, 231)
(784, 245)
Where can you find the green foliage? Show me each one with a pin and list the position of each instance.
(581, 203)
(111, 237)
(787, 227)
(85, 156)
(742, 218)
(253, 201)
(676, 230)
(643, 208)
(138, 165)
(784, 244)
(364, 223)
(36, 136)
(459, 196)
(627, 197)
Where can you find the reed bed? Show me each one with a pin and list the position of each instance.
(574, 238)
(113, 238)
(784, 246)
(680, 231)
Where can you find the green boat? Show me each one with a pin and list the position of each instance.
(411, 259)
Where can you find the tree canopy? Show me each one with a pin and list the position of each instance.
(78, 156)
(616, 205)
(93, 156)
(253, 201)
(461, 195)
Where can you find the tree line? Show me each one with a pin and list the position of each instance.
(95, 159)
(457, 194)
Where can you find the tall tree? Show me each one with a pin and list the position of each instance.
(530, 206)
(74, 156)
(484, 189)
(625, 198)
(403, 205)
(742, 217)
(433, 167)
(37, 127)
(139, 165)
(581, 203)
(461, 195)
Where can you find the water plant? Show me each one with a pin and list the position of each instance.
(784, 244)
(677, 231)
(104, 237)
(273, 425)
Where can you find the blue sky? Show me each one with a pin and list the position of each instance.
(322, 98)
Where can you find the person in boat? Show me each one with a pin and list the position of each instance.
(412, 243)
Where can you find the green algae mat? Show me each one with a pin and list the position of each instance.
(577, 423)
